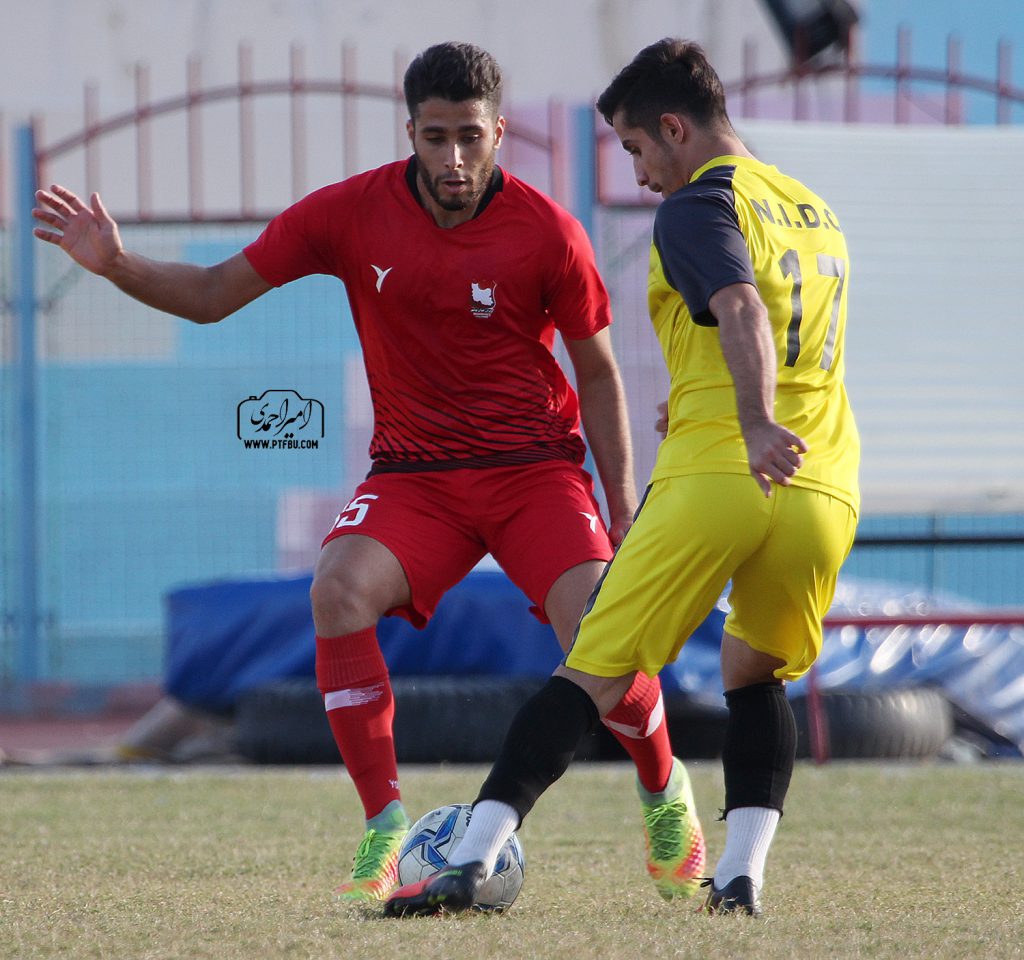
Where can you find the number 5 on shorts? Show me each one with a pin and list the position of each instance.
(355, 512)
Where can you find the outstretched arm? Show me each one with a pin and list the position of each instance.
(773, 451)
(606, 422)
(89, 235)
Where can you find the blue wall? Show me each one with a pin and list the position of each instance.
(144, 483)
(989, 575)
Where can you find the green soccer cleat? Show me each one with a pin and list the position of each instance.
(676, 854)
(375, 868)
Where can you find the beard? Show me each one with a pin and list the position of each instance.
(476, 186)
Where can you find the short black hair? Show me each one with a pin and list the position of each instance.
(670, 76)
(453, 71)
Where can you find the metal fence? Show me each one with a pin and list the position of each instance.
(145, 477)
(8, 414)
(141, 478)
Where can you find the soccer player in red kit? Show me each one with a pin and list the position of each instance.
(458, 275)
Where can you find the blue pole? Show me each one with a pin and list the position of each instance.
(584, 197)
(27, 661)
(585, 165)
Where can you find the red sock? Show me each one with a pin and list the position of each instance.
(638, 723)
(353, 677)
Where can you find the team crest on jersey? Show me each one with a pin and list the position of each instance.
(481, 299)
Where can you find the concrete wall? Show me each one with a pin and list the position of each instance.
(570, 48)
(933, 350)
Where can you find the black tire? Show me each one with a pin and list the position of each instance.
(464, 720)
(696, 729)
(909, 723)
(437, 719)
(284, 722)
(455, 719)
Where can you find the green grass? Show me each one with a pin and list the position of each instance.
(870, 861)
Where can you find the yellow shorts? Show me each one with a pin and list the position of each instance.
(694, 534)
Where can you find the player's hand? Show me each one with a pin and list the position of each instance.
(774, 453)
(661, 424)
(86, 234)
(618, 529)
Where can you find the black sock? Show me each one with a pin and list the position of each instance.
(760, 747)
(540, 744)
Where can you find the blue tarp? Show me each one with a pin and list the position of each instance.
(226, 637)
(979, 668)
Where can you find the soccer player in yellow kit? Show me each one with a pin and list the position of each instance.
(755, 483)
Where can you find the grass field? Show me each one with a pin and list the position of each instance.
(870, 861)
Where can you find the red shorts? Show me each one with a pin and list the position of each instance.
(537, 521)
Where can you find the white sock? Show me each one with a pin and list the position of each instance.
(492, 823)
(748, 835)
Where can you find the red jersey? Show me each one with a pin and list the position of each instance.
(456, 325)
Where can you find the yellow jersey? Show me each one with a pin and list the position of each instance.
(739, 220)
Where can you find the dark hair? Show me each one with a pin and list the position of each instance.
(670, 76)
(453, 71)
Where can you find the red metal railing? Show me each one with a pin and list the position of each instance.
(817, 721)
(846, 104)
(743, 92)
(297, 87)
(903, 74)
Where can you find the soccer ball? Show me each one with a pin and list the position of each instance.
(433, 838)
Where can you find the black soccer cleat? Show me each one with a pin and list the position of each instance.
(450, 890)
(739, 895)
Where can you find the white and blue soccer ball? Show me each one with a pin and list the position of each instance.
(432, 840)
